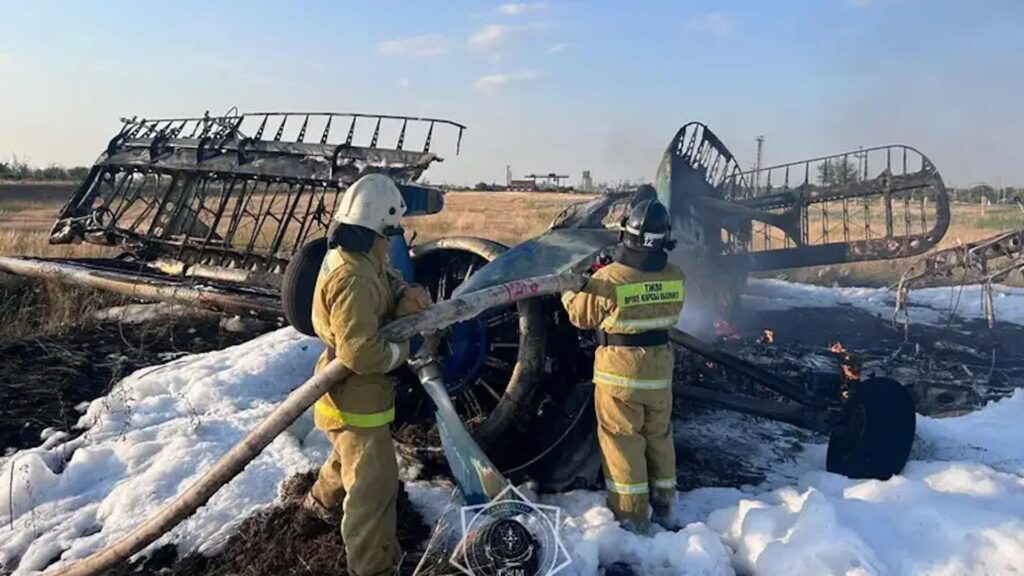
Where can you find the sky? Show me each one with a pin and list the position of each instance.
(548, 86)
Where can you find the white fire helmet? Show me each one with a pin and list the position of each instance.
(372, 202)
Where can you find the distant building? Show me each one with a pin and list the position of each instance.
(549, 181)
(586, 182)
(522, 185)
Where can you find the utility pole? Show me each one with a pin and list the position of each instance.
(757, 167)
(508, 175)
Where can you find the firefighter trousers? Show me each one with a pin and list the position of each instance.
(637, 451)
(361, 478)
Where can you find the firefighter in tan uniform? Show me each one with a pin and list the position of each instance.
(358, 292)
(632, 302)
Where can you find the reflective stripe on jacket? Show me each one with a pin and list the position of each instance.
(623, 300)
(355, 295)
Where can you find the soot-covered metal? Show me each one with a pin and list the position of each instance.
(221, 191)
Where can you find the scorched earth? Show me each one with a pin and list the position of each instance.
(957, 508)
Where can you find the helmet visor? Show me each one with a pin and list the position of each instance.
(396, 230)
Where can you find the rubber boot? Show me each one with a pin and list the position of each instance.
(312, 518)
(636, 527)
(665, 517)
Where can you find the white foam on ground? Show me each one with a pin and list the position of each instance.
(152, 436)
(141, 313)
(926, 306)
(956, 509)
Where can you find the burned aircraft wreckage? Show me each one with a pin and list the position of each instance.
(211, 210)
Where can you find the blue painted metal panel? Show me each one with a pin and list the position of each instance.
(420, 200)
(554, 252)
(398, 252)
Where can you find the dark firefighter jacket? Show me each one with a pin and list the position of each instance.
(622, 300)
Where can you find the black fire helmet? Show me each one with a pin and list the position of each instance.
(648, 227)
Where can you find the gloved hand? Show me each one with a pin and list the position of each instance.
(599, 262)
(567, 297)
(413, 299)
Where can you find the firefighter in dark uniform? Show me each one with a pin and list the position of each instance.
(632, 303)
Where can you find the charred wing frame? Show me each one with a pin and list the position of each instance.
(877, 203)
(987, 261)
(239, 192)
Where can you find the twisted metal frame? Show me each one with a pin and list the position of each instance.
(203, 191)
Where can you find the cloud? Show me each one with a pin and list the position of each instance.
(425, 46)
(492, 36)
(720, 24)
(520, 8)
(403, 83)
(556, 48)
(495, 82)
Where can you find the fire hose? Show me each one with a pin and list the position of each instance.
(299, 400)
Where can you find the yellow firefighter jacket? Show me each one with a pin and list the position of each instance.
(622, 300)
(355, 295)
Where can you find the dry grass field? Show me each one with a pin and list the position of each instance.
(28, 308)
(507, 217)
(27, 213)
(26, 233)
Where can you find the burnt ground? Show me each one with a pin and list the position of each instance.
(44, 378)
(714, 447)
(267, 543)
(949, 370)
(952, 367)
(861, 331)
